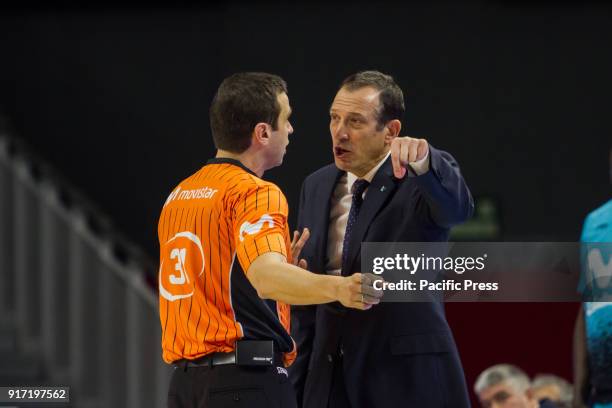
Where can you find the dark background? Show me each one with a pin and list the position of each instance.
(117, 97)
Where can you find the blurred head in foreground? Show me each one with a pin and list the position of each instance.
(504, 386)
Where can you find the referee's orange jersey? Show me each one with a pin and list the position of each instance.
(213, 225)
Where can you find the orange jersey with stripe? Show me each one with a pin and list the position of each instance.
(212, 227)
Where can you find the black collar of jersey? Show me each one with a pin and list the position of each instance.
(226, 160)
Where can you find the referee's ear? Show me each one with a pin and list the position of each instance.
(261, 134)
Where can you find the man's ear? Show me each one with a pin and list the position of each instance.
(530, 394)
(392, 130)
(261, 134)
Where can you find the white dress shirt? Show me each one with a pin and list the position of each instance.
(341, 206)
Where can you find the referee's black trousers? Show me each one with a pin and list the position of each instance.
(232, 386)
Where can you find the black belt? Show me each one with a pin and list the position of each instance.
(217, 359)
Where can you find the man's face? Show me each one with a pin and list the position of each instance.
(357, 141)
(505, 396)
(279, 138)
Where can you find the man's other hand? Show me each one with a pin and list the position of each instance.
(298, 242)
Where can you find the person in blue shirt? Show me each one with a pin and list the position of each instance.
(593, 330)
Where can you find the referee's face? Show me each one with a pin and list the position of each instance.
(279, 138)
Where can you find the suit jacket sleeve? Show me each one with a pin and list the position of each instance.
(302, 328)
(448, 197)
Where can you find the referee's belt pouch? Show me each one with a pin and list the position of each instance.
(254, 352)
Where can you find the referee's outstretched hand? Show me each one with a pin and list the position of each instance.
(357, 291)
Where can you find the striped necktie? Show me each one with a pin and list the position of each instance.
(358, 188)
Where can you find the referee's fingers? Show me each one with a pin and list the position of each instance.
(358, 304)
(371, 292)
(371, 285)
(370, 300)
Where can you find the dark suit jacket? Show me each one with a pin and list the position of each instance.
(395, 354)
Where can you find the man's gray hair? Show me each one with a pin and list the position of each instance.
(502, 373)
(566, 391)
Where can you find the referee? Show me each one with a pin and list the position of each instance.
(227, 274)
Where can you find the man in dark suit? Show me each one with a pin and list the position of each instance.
(381, 188)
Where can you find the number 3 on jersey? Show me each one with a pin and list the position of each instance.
(182, 261)
(179, 266)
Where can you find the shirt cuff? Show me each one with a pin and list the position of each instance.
(421, 166)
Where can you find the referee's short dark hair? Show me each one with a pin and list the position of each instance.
(391, 96)
(242, 101)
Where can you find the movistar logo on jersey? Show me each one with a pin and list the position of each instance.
(252, 229)
(204, 192)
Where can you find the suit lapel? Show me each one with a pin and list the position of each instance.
(322, 204)
(382, 186)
